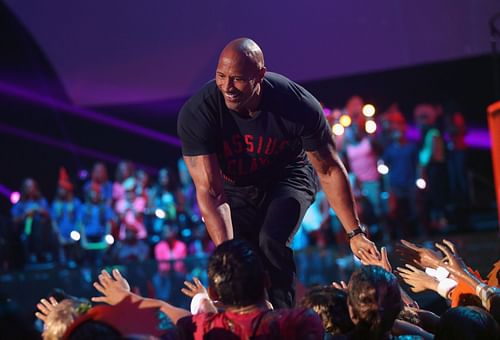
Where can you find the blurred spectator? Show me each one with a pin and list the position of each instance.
(432, 165)
(99, 177)
(124, 170)
(201, 244)
(161, 203)
(130, 210)
(362, 159)
(187, 206)
(31, 219)
(142, 180)
(457, 170)
(130, 249)
(95, 219)
(170, 248)
(65, 211)
(401, 158)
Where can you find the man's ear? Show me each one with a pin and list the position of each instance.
(261, 74)
(212, 294)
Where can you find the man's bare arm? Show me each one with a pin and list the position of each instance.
(207, 179)
(335, 184)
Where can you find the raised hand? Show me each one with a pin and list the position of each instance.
(45, 307)
(417, 279)
(193, 289)
(422, 257)
(114, 289)
(452, 261)
(382, 261)
(342, 285)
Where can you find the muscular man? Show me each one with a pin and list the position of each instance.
(249, 138)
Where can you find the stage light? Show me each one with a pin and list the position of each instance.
(421, 184)
(83, 174)
(345, 120)
(160, 213)
(382, 169)
(337, 129)
(75, 235)
(370, 126)
(109, 239)
(186, 232)
(368, 110)
(15, 196)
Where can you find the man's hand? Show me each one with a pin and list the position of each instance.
(382, 261)
(114, 289)
(192, 289)
(422, 257)
(45, 307)
(417, 279)
(361, 245)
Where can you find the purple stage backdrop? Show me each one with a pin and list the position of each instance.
(123, 51)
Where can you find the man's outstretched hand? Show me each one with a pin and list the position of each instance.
(361, 244)
(114, 289)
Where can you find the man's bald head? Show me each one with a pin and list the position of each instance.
(244, 49)
(239, 75)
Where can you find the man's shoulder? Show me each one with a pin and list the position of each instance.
(206, 96)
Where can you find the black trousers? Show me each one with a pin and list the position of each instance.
(268, 217)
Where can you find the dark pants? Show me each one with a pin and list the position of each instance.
(268, 218)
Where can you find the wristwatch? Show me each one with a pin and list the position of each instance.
(361, 229)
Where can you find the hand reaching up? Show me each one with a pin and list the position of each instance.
(192, 289)
(422, 257)
(114, 289)
(45, 307)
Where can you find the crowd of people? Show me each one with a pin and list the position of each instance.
(101, 222)
(235, 305)
(405, 186)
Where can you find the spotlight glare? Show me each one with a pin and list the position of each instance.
(368, 110)
(109, 239)
(421, 184)
(15, 196)
(370, 126)
(160, 213)
(345, 120)
(75, 235)
(337, 129)
(382, 169)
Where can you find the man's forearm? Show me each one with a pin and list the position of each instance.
(336, 186)
(217, 216)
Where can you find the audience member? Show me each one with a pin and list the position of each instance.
(32, 221)
(65, 211)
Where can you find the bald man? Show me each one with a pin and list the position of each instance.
(249, 138)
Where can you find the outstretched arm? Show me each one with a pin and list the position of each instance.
(115, 289)
(335, 184)
(207, 179)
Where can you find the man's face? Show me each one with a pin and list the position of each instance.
(238, 80)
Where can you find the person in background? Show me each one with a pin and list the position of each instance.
(99, 176)
(170, 253)
(362, 155)
(95, 224)
(130, 249)
(432, 166)
(31, 218)
(65, 211)
(130, 210)
(161, 203)
(401, 156)
(457, 169)
(124, 170)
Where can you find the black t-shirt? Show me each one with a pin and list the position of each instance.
(264, 149)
